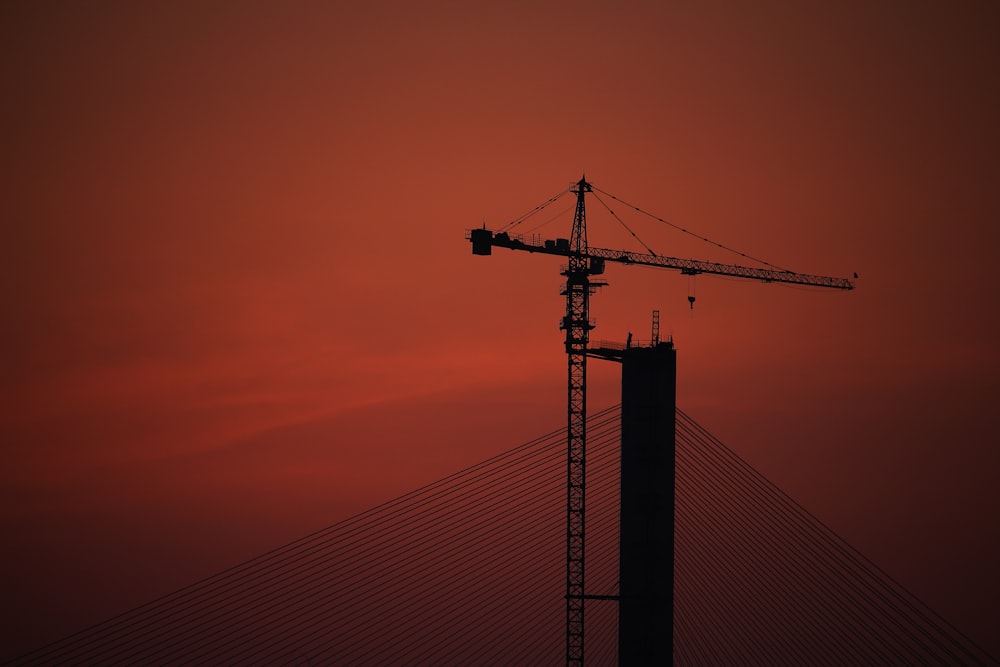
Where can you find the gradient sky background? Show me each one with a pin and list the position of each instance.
(238, 304)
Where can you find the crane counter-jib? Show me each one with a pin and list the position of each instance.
(483, 241)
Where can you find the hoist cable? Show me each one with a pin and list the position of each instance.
(516, 221)
(627, 228)
(690, 233)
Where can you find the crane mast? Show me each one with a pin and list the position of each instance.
(577, 325)
(583, 262)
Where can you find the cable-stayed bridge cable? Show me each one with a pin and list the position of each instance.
(467, 570)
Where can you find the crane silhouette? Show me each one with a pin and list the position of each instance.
(584, 262)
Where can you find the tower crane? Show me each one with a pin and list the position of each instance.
(583, 263)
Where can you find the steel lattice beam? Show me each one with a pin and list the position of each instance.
(685, 266)
(577, 326)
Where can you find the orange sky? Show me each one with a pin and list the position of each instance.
(238, 304)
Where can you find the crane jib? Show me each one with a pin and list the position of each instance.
(484, 239)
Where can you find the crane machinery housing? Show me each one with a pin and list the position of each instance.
(643, 590)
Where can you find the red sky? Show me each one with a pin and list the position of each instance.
(238, 304)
